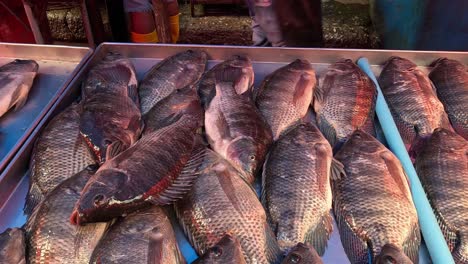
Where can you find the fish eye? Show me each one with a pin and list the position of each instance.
(295, 258)
(217, 251)
(107, 142)
(357, 135)
(252, 157)
(98, 199)
(92, 167)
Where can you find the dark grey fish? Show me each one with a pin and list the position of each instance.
(285, 95)
(442, 166)
(222, 202)
(227, 251)
(296, 189)
(302, 254)
(110, 119)
(141, 237)
(175, 72)
(344, 102)
(413, 102)
(13, 246)
(372, 203)
(58, 154)
(237, 70)
(451, 81)
(50, 237)
(16, 79)
(391, 254)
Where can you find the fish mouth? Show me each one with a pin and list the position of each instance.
(75, 218)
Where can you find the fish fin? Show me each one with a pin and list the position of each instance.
(184, 181)
(273, 252)
(319, 236)
(33, 198)
(155, 246)
(22, 97)
(117, 74)
(300, 90)
(328, 131)
(412, 243)
(115, 149)
(132, 92)
(337, 170)
(390, 253)
(396, 171)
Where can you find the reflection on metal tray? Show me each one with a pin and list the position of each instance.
(57, 66)
(265, 61)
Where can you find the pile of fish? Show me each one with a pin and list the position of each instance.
(111, 172)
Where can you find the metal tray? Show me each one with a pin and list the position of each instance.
(143, 56)
(57, 66)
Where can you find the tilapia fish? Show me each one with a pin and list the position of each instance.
(59, 153)
(345, 101)
(175, 72)
(151, 171)
(286, 94)
(442, 166)
(236, 130)
(50, 236)
(227, 251)
(302, 254)
(451, 81)
(12, 246)
(412, 100)
(110, 118)
(16, 79)
(372, 203)
(296, 188)
(141, 237)
(221, 202)
(237, 69)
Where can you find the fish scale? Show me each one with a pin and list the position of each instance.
(372, 203)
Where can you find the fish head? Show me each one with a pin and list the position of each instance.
(300, 65)
(447, 139)
(20, 66)
(191, 59)
(344, 66)
(396, 63)
(246, 155)
(97, 201)
(301, 254)
(227, 250)
(360, 141)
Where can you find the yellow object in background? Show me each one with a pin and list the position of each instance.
(174, 27)
(144, 38)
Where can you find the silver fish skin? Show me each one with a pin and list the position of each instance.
(16, 80)
(50, 236)
(110, 120)
(285, 95)
(236, 130)
(175, 72)
(442, 167)
(238, 70)
(373, 205)
(296, 189)
(59, 153)
(227, 251)
(344, 102)
(146, 236)
(413, 102)
(13, 246)
(450, 78)
(231, 207)
(302, 254)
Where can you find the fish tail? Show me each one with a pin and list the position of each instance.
(460, 252)
(273, 252)
(34, 197)
(392, 254)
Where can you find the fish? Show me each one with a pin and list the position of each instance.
(155, 170)
(296, 191)
(175, 72)
(442, 167)
(302, 254)
(345, 101)
(49, 235)
(110, 119)
(13, 246)
(285, 95)
(59, 153)
(221, 202)
(16, 80)
(450, 78)
(227, 251)
(236, 129)
(413, 102)
(148, 232)
(236, 69)
(391, 254)
(372, 204)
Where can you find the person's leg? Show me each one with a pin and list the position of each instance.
(268, 20)
(172, 9)
(258, 35)
(142, 28)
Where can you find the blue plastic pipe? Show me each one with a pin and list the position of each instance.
(430, 229)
